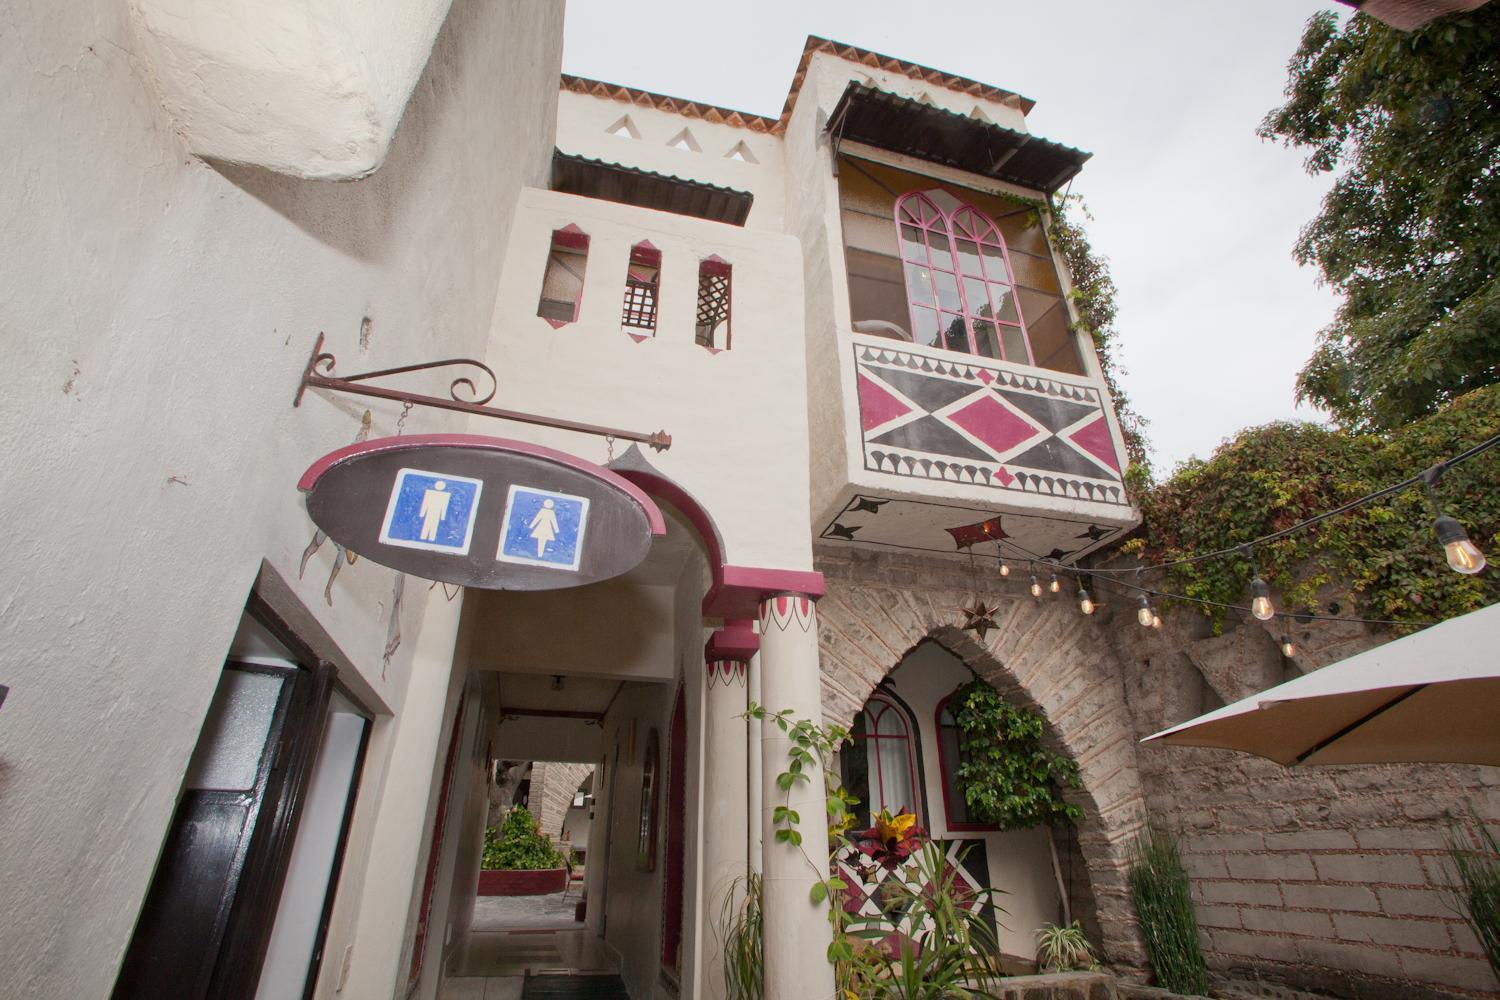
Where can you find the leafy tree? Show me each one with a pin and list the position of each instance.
(1410, 232)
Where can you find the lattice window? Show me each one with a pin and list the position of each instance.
(562, 283)
(642, 287)
(713, 303)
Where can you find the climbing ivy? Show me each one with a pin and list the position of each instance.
(1381, 561)
(1008, 775)
(1093, 297)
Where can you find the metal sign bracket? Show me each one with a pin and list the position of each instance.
(319, 375)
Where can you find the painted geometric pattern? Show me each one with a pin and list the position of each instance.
(863, 896)
(964, 422)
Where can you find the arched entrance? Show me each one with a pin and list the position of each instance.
(1041, 656)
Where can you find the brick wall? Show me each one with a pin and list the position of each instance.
(1328, 878)
(553, 786)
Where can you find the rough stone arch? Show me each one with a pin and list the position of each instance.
(1044, 654)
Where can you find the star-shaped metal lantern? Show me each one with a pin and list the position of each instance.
(980, 618)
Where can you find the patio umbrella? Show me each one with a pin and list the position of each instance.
(1433, 696)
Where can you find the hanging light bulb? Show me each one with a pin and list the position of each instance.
(1287, 649)
(1085, 603)
(1463, 555)
(1155, 620)
(1054, 586)
(1260, 600)
(1004, 568)
(1036, 588)
(1144, 614)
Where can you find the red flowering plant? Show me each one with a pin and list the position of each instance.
(891, 840)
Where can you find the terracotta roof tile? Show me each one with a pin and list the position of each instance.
(775, 126)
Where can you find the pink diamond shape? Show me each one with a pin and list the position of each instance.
(985, 376)
(992, 423)
(1004, 476)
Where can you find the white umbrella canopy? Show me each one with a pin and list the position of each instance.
(1429, 697)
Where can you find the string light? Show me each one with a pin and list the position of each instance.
(1463, 555)
(1085, 603)
(1458, 549)
(1287, 649)
(1144, 614)
(1260, 600)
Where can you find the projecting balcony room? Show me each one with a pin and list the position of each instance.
(943, 266)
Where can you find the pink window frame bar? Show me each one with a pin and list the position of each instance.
(872, 723)
(948, 775)
(983, 232)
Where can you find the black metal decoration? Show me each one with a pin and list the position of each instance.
(980, 618)
(319, 375)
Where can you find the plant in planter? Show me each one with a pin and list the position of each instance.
(1064, 949)
(519, 846)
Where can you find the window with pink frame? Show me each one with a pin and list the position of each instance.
(950, 756)
(884, 737)
(960, 287)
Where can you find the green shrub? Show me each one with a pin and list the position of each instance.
(1159, 888)
(1383, 558)
(519, 845)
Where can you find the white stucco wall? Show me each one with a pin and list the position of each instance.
(583, 129)
(738, 417)
(159, 312)
(310, 88)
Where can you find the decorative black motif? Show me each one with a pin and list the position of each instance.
(842, 531)
(989, 426)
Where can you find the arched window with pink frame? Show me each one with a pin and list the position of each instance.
(959, 284)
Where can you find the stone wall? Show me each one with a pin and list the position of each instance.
(553, 786)
(1331, 878)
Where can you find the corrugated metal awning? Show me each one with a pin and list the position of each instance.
(901, 125)
(632, 186)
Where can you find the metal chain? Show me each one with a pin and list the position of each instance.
(401, 420)
(609, 443)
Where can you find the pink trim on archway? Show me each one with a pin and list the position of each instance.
(737, 590)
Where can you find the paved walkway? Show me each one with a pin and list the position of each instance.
(519, 944)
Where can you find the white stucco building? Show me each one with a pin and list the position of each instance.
(848, 318)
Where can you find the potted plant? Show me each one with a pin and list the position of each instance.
(519, 860)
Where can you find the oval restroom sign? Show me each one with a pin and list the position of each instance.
(481, 511)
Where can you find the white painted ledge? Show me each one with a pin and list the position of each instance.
(311, 88)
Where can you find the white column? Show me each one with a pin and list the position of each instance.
(796, 931)
(752, 732)
(725, 809)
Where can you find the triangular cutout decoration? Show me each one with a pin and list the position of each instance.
(978, 115)
(742, 153)
(625, 129)
(685, 140)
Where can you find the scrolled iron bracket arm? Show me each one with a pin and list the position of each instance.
(319, 374)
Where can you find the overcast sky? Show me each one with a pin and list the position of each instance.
(1196, 215)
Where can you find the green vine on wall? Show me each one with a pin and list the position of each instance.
(1380, 561)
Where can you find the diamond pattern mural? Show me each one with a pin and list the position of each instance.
(968, 422)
